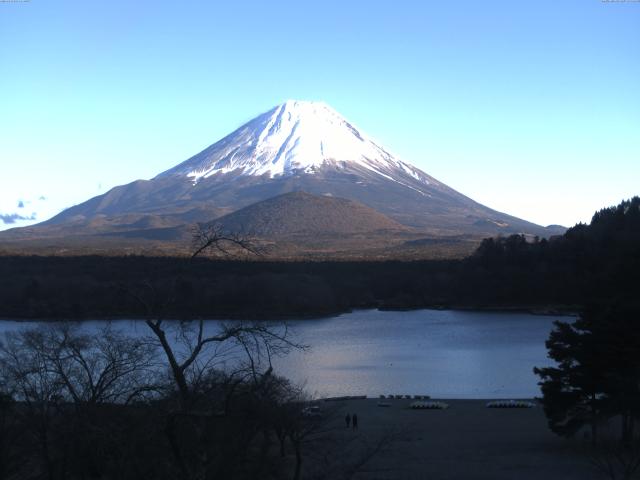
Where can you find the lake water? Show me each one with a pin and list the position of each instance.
(442, 353)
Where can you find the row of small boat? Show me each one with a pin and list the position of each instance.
(510, 404)
(429, 405)
(407, 397)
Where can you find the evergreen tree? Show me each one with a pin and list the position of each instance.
(597, 376)
(573, 392)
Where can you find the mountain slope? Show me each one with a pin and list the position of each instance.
(297, 146)
(295, 137)
(299, 213)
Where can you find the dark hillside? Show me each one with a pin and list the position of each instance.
(302, 213)
(589, 262)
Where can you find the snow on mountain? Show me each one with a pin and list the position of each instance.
(292, 138)
(297, 146)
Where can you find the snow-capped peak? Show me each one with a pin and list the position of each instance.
(295, 137)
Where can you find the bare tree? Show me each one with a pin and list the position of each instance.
(195, 351)
(107, 367)
(213, 237)
(189, 349)
(62, 378)
(40, 391)
(10, 435)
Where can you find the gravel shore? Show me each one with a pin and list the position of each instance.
(465, 441)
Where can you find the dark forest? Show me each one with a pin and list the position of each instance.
(588, 262)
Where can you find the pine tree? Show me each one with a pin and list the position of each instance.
(597, 376)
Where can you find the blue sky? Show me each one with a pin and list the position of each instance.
(532, 108)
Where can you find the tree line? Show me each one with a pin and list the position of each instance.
(599, 260)
(594, 387)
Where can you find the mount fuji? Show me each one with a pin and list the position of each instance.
(295, 137)
(298, 146)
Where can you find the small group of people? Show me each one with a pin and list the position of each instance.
(352, 420)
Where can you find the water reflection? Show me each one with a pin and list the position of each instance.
(442, 353)
(449, 354)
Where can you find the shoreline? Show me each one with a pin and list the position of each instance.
(407, 401)
(547, 311)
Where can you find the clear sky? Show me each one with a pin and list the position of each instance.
(532, 108)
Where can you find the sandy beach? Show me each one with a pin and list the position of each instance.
(465, 441)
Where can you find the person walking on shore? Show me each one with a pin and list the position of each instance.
(347, 419)
(354, 421)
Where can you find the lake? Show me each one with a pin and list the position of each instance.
(441, 353)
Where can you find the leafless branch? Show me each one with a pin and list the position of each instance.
(212, 236)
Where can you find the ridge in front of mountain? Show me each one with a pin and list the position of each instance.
(301, 213)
